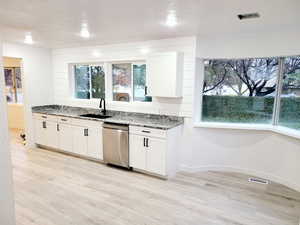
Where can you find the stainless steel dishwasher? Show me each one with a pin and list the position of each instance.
(115, 144)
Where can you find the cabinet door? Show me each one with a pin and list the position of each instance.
(40, 132)
(80, 140)
(137, 152)
(95, 143)
(156, 156)
(66, 137)
(164, 68)
(52, 134)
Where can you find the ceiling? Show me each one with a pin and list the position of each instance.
(57, 23)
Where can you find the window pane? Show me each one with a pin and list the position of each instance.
(139, 83)
(239, 91)
(9, 85)
(82, 81)
(121, 74)
(290, 95)
(98, 81)
(19, 85)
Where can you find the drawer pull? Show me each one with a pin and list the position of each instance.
(146, 131)
(64, 120)
(86, 132)
(45, 117)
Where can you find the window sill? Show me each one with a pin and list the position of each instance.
(261, 127)
(233, 126)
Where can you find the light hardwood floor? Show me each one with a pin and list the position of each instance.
(55, 189)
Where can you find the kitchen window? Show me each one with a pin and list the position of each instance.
(129, 82)
(252, 91)
(13, 85)
(89, 81)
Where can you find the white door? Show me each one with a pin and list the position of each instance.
(156, 156)
(40, 132)
(52, 135)
(137, 152)
(80, 140)
(66, 137)
(95, 143)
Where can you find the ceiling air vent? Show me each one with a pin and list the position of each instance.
(258, 180)
(248, 16)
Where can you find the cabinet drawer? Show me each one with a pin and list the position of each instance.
(45, 117)
(86, 123)
(151, 132)
(62, 119)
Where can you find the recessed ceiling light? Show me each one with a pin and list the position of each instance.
(144, 51)
(84, 32)
(171, 19)
(96, 53)
(28, 39)
(248, 16)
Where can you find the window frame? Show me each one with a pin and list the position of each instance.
(134, 62)
(107, 65)
(273, 127)
(16, 99)
(72, 78)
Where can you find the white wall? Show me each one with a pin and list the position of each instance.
(36, 79)
(130, 51)
(7, 215)
(262, 153)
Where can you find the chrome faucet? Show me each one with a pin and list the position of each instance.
(102, 104)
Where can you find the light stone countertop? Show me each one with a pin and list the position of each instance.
(138, 119)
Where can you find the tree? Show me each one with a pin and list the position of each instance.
(255, 74)
(98, 82)
(215, 75)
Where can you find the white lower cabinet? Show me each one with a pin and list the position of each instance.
(80, 140)
(76, 136)
(137, 151)
(156, 155)
(153, 150)
(65, 135)
(46, 133)
(94, 142)
(40, 132)
(51, 134)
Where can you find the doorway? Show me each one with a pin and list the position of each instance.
(14, 96)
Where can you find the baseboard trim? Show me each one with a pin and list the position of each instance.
(263, 175)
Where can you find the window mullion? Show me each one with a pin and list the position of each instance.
(279, 82)
(132, 84)
(90, 73)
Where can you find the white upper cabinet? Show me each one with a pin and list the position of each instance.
(165, 74)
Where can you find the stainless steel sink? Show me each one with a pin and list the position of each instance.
(96, 116)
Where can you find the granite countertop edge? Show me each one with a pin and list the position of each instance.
(147, 124)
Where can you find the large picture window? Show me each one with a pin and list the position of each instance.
(289, 115)
(256, 90)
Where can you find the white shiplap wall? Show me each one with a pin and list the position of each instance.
(120, 52)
